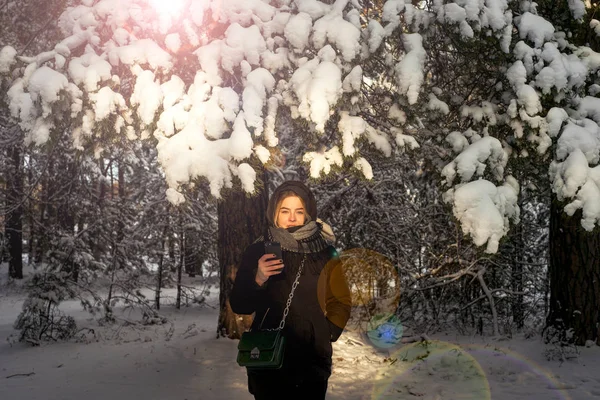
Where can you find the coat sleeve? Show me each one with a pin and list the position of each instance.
(246, 294)
(338, 300)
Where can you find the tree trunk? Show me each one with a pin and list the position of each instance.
(242, 220)
(516, 276)
(491, 301)
(161, 258)
(171, 242)
(179, 270)
(122, 202)
(42, 234)
(180, 264)
(574, 275)
(31, 217)
(14, 204)
(67, 184)
(193, 259)
(97, 244)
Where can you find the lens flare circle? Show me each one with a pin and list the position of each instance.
(385, 330)
(172, 7)
(515, 367)
(427, 367)
(374, 295)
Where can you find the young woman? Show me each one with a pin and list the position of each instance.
(320, 306)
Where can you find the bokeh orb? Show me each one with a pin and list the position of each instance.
(369, 283)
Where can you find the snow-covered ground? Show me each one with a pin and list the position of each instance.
(182, 359)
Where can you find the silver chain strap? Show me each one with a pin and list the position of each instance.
(290, 297)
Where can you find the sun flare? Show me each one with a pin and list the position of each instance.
(172, 7)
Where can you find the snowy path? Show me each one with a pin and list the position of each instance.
(140, 365)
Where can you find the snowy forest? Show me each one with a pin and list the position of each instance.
(453, 146)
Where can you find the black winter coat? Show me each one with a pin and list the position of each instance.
(319, 311)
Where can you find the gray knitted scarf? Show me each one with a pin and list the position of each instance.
(309, 238)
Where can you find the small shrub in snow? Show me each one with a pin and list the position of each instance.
(560, 344)
(41, 320)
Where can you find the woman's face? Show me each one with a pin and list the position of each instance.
(291, 213)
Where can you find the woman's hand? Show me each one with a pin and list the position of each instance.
(267, 268)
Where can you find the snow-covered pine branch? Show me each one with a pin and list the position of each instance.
(120, 66)
(541, 96)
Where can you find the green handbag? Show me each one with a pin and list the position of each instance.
(264, 349)
(261, 350)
